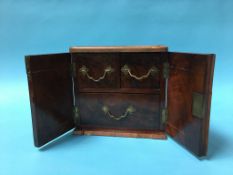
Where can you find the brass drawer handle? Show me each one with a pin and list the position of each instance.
(84, 71)
(126, 70)
(130, 110)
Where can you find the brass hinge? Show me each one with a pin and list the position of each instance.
(166, 70)
(198, 105)
(76, 115)
(73, 69)
(164, 115)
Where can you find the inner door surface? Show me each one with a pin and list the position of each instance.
(50, 88)
(189, 100)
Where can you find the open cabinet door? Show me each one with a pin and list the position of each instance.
(51, 99)
(189, 99)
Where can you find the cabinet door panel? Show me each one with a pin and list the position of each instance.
(50, 88)
(189, 99)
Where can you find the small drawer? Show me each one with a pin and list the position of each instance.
(140, 70)
(122, 111)
(97, 70)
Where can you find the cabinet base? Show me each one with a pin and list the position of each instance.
(122, 133)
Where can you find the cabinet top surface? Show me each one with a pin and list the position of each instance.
(158, 48)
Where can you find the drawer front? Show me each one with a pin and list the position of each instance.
(140, 70)
(121, 111)
(97, 70)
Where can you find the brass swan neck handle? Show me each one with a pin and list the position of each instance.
(130, 110)
(84, 71)
(126, 70)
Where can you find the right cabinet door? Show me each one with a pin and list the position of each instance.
(189, 100)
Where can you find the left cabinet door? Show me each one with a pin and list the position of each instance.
(51, 95)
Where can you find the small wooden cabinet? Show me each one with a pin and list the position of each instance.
(138, 91)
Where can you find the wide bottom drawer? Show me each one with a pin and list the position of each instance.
(119, 111)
